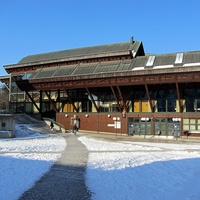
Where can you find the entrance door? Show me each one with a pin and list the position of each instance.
(139, 126)
(160, 127)
(167, 127)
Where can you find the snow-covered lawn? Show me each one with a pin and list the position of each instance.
(115, 171)
(142, 171)
(24, 159)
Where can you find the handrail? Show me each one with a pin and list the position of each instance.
(60, 126)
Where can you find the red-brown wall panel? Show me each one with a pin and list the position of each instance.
(94, 122)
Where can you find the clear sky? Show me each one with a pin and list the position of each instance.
(38, 26)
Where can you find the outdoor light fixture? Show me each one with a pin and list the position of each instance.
(66, 115)
(86, 115)
(109, 115)
(176, 119)
(145, 119)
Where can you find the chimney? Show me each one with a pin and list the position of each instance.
(132, 41)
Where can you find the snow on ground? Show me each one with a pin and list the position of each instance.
(115, 171)
(141, 170)
(24, 159)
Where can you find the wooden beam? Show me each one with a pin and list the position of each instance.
(58, 99)
(127, 103)
(30, 97)
(179, 97)
(52, 103)
(70, 100)
(123, 102)
(149, 98)
(94, 103)
(113, 91)
(41, 102)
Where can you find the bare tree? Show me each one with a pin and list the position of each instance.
(4, 96)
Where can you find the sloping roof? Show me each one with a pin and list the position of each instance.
(86, 52)
(191, 57)
(161, 61)
(81, 69)
(5, 79)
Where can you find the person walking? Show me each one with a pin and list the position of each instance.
(51, 125)
(75, 124)
(75, 129)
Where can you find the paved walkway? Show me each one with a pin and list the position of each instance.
(66, 179)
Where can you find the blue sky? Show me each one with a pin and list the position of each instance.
(38, 26)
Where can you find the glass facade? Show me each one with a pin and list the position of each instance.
(135, 98)
(139, 126)
(157, 99)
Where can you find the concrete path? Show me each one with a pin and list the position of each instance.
(66, 179)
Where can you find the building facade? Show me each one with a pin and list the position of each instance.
(113, 88)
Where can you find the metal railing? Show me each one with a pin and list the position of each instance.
(55, 125)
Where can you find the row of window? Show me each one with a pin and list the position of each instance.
(164, 98)
(166, 127)
(190, 105)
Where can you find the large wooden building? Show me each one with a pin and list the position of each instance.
(114, 88)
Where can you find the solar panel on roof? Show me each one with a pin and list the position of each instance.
(85, 68)
(107, 67)
(66, 70)
(46, 72)
(124, 65)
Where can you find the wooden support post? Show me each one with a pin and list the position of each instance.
(91, 97)
(113, 91)
(179, 97)
(30, 97)
(70, 100)
(149, 98)
(52, 103)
